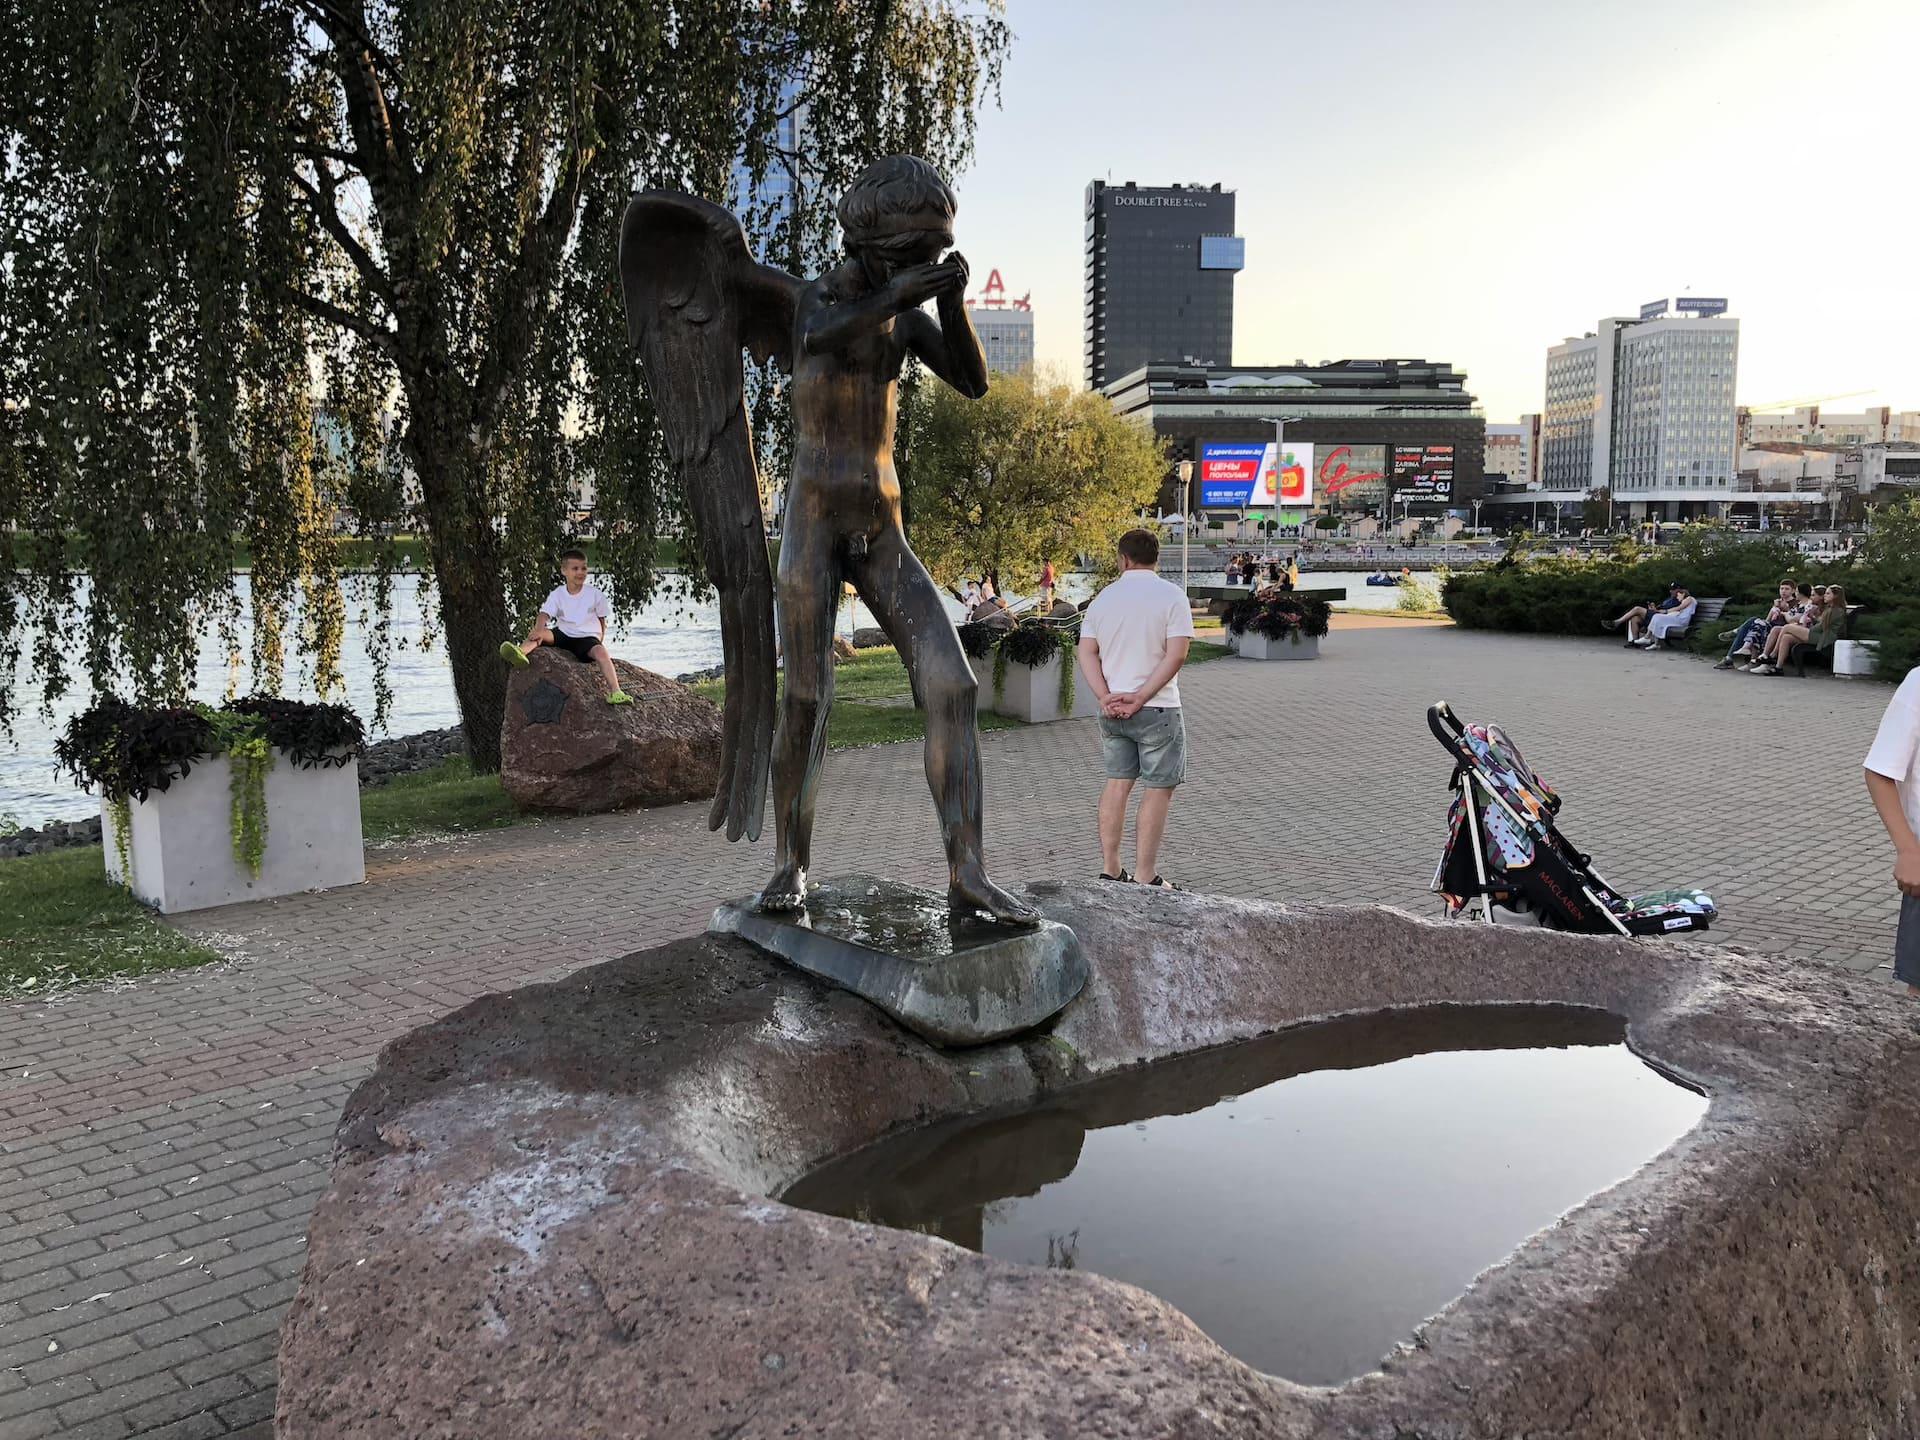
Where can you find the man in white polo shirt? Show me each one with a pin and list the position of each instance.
(1893, 779)
(1133, 641)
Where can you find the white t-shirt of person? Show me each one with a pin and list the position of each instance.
(1896, 748)
(577, 615)
(1132, 620)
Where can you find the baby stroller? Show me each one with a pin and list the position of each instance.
(1506, 862)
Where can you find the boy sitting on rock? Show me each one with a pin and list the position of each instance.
(573, 618)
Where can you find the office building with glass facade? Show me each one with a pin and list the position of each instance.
(1643, 408)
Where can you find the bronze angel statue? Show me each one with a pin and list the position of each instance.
(695, 298)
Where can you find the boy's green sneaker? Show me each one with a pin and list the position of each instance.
(619, 697)
(512, 653)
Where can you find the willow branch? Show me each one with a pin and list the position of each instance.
(541, 244)
(327, 211)
(324, 310)
(380, 143)
(324, 152)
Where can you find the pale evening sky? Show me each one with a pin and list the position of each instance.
(1475, 181)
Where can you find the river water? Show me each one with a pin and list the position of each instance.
(672, 635)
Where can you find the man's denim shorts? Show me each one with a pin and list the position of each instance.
(1150, 747)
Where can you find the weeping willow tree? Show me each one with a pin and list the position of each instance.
(274, 272)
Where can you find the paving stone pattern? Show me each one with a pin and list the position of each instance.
(162, 1140)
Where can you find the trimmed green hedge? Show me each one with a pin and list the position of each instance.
(1550, 595)
(1555, 596)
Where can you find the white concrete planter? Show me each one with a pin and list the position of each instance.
(1032, 695)
(1856, 658)
(1294, 647)
(180, 840)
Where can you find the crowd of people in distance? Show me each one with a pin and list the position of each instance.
(1802, 614)
(1245, 569)
(984, 603)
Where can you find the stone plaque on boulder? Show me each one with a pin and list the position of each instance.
(953, 980)
(563, 747)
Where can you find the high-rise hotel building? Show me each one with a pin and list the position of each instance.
(1160, 262)
(1644, 409)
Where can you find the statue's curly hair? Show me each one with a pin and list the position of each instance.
(895, 201)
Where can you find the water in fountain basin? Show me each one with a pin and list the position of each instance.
(1307, 1198)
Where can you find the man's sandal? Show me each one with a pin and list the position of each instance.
(1123, 878)
(1160, 882)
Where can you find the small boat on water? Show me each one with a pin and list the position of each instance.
(1383, 579)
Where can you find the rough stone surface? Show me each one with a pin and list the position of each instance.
(54, 835)
(383, 760)
(554, 1203)
(961, 982)
(562, 747)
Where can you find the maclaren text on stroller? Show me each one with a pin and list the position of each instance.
(1506, 863)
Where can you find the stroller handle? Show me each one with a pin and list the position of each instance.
(1446, 726)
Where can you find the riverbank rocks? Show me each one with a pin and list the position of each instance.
(870, 637)
(54, 835)
(387, 760)
(563, 747)
(550, 1211)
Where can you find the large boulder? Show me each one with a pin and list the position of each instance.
(870, 637)
(549, 1212)
(563, 747)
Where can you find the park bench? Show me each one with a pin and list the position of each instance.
(1702, 610)
(1805, 654)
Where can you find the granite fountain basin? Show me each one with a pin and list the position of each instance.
(550, 1211)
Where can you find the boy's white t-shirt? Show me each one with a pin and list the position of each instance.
(1896, 749)
(1131, 621)
(577, 615)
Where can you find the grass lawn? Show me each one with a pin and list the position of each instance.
(450, 797)
(871, 703)
(62, 922)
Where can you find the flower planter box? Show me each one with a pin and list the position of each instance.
(1294, 646)
(180, 840)
(1032, 694)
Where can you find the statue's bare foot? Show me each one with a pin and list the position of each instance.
(973, 893)
(786, 891)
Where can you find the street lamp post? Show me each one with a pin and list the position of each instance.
(1279, 459)
(1186, 517)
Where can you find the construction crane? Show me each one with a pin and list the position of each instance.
(1795, 404)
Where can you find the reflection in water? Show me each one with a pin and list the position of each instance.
(1308, 1198)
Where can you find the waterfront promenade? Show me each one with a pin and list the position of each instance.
(162, 1140)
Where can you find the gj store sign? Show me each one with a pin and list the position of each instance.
(1423, 472)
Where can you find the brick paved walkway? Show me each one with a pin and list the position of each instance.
(161, 1141)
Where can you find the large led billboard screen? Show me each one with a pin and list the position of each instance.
(1423, 472)
(1249, 475)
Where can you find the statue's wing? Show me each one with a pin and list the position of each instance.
(695, 298)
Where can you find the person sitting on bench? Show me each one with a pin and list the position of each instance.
(1672, 620)
(1826, 624)
(1751, 637)
(1636, 619)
